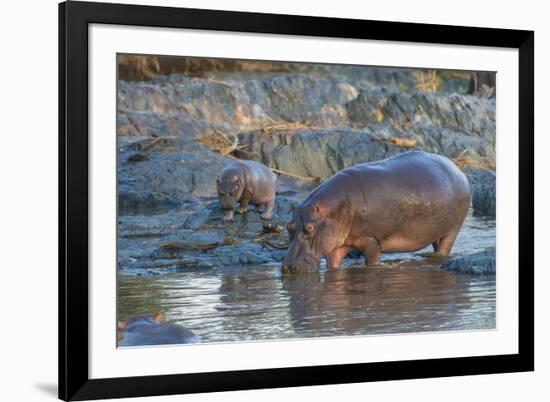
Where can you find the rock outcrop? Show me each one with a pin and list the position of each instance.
(480, 263)
(483, 188)
(298, 123)
(240, 105)
(196, 237)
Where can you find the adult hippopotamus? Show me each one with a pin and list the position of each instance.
(148, 330)
(400, 204)
(246, 182)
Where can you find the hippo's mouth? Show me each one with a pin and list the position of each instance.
(308, 263)
(227, 205)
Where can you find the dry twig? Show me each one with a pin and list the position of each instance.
(175, 245)
(403, 142)
(286, 126)
(296, 176)
(400, 142)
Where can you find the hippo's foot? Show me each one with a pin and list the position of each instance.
(266, 216)
(434, 254)
(242, 211)
(378, 265)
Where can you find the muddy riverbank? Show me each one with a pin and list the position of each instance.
(235, 291)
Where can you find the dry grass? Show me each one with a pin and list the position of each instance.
(220, 142)
(426, 80)
(137, 67)
(458, 74)
(286, 126)
(476, 162)
(273, 239)
(132, 67)
(271, 228)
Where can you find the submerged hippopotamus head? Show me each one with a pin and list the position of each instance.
(149, 330)
(314, 232)
(230, 188)
(135, 322)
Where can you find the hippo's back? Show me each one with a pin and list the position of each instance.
(253, 166)
(413, 172)
(412, 195)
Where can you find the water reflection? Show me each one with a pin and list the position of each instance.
(368, 301)
(258, 303)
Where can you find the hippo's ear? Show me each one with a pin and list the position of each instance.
(158, 317)
(121, 325)
(218, 179)
(294, 208)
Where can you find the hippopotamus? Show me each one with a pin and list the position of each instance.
(400, 204)
(246, 182)
(148, 330)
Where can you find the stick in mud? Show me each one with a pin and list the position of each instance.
(156, 141)
(400, 142)
(175, 245)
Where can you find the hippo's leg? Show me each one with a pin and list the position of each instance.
(445, 244)
(244, 203)
(334, 259)
(371, 251)
(268, 210)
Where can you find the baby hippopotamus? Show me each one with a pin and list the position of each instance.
(246, 182)
(399, 204)
(146, 330)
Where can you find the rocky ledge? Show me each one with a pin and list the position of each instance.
(195, 237)
(298, 123)
(480, 263)
(483, 187)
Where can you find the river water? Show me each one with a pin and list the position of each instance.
(236, 303)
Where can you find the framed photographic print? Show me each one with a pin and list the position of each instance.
(257, 200)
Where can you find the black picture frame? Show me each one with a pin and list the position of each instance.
(74, 18)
